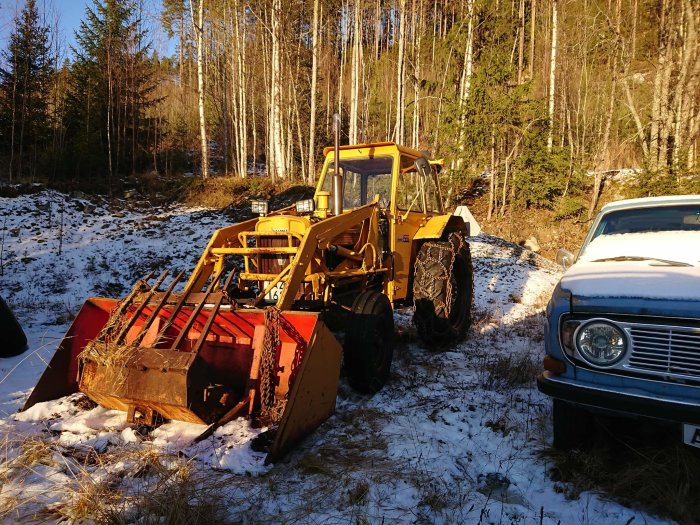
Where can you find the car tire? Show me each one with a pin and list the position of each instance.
(572, 425)
(369, 342)
(443, 287)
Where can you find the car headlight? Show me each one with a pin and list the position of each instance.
(601, 343)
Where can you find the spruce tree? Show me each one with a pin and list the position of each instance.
(111, 88)
(24, 91)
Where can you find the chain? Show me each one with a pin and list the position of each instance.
(271, 408)
(429, 286)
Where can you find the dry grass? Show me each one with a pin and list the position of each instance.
(220, 192)
(84, 485)
(638, 464)
(509, 371)
(109, 355)
(33, 451)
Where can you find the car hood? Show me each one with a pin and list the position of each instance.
(632, 279)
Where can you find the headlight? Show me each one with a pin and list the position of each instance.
(601, 343)
(305, 206)
(259, 207)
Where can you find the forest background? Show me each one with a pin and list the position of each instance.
(536, 102)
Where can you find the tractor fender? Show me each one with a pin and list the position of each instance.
(438, 226)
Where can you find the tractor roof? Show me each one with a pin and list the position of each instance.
(384, 145)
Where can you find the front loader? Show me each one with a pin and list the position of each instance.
(248, 333)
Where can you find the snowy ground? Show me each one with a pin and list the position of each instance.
(455, 437)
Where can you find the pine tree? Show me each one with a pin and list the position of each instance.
(24, 90)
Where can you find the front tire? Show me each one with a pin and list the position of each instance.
(369, 342)
(443, 287)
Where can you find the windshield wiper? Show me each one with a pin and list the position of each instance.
(664, 262)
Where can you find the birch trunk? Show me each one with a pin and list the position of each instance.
(521, 39)
(531, 61)
(241, 96)
(277, 147)
(466, 79)
(417, 32)
(199, 37)
(400, 71)
(552, 74)
(355, 72)
(314, 80)
(603, 144)
(654, 147)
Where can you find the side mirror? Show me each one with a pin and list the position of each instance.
(564, 258)
(423, 166)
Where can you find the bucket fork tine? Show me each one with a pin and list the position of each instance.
(159, 307)
(195, 313)
(123, 306)
(174, 313)
(212, 316)
(138, 311)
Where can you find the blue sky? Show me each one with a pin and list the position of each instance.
(69, 13)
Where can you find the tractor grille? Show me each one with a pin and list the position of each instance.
(665, 350)
(272, 264)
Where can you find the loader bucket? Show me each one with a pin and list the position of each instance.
(217, 372)
(196, 357)
(61, 375)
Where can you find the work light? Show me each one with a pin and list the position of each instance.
(305, 206)
(259, 207)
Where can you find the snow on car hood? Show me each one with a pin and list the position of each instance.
(596, 275)
(682, 246)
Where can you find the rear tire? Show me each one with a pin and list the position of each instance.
(369, 342)
(443, 287)
(573, 426)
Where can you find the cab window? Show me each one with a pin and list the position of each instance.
(363, 179)
(416, 192)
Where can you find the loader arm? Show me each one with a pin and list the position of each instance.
(210, 264)
(319, 236)
(207, 265)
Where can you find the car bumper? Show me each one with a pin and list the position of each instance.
(624, 402)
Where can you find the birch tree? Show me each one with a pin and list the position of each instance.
(198, 29)
(552, 74)
(314, 88)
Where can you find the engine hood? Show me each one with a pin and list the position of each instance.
(642, 279)
(634, 287)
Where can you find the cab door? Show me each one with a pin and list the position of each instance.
(415, 202)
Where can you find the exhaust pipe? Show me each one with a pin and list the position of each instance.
(337, 177)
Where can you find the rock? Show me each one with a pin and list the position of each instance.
(79, 195)
(531, 244)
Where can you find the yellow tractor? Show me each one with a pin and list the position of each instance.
(248, 334)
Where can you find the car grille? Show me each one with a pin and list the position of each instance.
(670, 351)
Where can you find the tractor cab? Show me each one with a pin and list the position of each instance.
(383, 171)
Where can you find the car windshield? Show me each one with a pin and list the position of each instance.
(363, 179)
(684, 217)
(659, 236)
